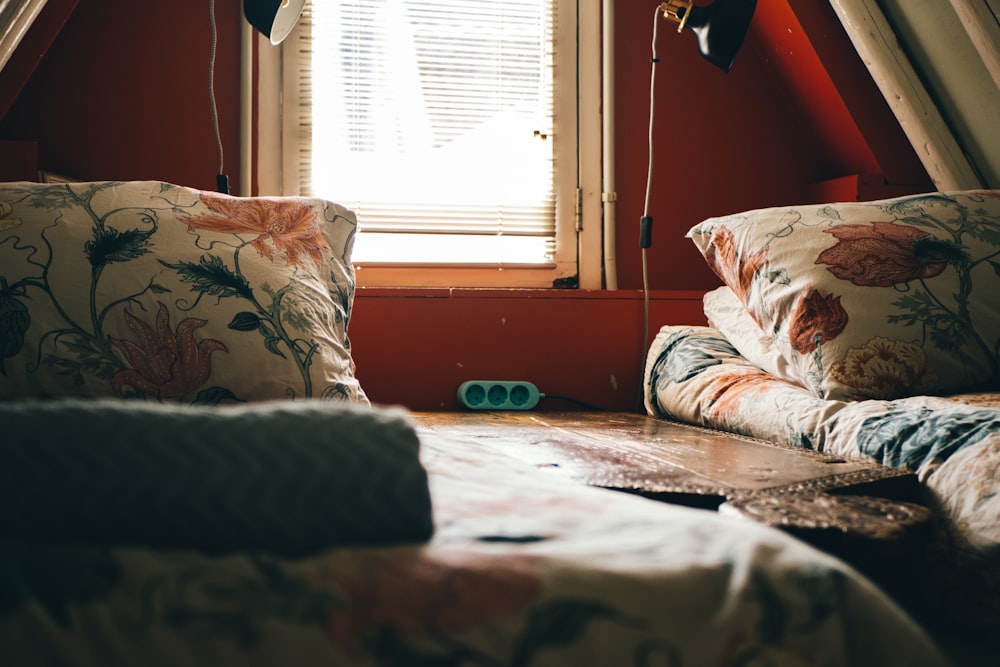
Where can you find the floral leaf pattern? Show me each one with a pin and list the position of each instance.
(525, 569)
(210, 276)
(734, 268)
(884, 253)
(165, 363)
(286, 225)
(680, 360)
(913, 438)
(14, 322)
(110, 246)
(144, 290)
(384, 619)
(560, 623)
(910, 279)
(952, 444)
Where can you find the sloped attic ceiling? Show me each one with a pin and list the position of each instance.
(937, 63)
(35, 23)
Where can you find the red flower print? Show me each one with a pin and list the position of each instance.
(816, 319)
(736, 271)
(289, 224)
(415, 593)
(165, 363)
(729, 389)
(884, 254)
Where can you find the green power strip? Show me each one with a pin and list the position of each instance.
(498, 395)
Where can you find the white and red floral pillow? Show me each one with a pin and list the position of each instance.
(879, 299)
(155, 291)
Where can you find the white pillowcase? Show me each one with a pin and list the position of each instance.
(726, 313)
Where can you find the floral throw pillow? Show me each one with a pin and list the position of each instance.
(727, 315)
(159, 292)
(879, 299)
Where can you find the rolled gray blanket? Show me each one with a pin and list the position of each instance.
(285, 477)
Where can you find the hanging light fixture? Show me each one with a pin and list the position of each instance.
(720, 26)
(273, 18)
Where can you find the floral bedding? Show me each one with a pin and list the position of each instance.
(696, 375)
(881, 299)
(164, 293)
(524, 568)
(862, 329)
(188, 300)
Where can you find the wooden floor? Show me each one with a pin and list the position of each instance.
(861, 511)
(639, 453)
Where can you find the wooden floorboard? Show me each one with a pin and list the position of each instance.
(640, 453)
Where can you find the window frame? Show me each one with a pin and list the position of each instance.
(579, 246)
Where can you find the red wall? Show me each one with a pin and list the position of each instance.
(122, 94)
(415, 347)
(798, 108)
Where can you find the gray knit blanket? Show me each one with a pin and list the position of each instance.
(284, 477)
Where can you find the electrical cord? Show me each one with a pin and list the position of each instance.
(570, 399)
(221, 180)
(652, 106)
(646, 223)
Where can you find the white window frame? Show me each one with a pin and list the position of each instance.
(579, 244)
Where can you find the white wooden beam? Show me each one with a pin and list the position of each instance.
(984, 32)
(933, 140)
(16, 16)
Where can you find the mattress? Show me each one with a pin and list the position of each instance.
(523, 567)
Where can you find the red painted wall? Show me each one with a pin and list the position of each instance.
(415, 347)
(798, 108)
(123, 94)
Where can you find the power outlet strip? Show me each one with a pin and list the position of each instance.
(498, 395)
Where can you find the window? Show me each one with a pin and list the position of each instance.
(452, 127)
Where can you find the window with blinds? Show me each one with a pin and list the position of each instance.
(448, 126)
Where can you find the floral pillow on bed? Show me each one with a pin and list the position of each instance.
(879, 299)
(155, 291)
(726, 314)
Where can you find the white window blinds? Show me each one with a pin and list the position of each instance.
(435, 121)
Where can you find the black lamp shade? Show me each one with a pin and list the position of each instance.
(720, 28)
(273, 18)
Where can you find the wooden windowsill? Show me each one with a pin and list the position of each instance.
(524, 293)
